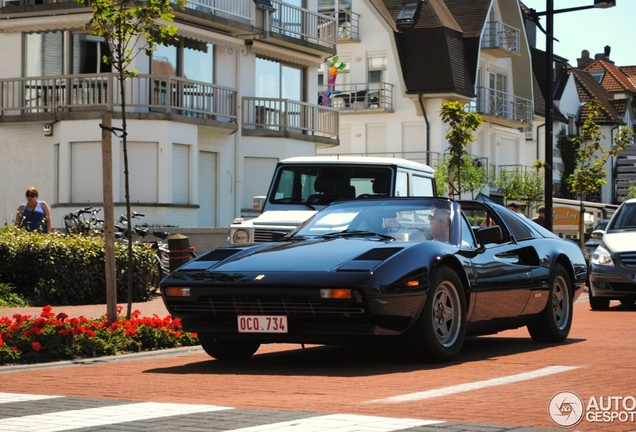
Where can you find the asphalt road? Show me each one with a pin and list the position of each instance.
(500, 382)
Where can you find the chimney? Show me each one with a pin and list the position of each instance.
(604, 55)
(584, 61)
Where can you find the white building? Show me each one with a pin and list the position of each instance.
(207, 119)
(475, 52)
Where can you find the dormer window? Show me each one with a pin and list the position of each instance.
(598, 75)
(409, 14)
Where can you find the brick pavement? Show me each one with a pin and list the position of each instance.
(154, 306)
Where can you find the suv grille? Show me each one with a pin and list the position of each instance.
(266, 235)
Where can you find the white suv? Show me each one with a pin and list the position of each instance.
(303, 185)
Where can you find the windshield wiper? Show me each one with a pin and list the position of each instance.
(358, 233)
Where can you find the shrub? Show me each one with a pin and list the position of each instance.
(52, 337)
(69, 270)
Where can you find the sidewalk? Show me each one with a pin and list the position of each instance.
(149, 308)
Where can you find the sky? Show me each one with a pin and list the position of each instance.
(590, 30)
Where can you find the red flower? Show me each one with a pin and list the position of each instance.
(62, 316)
(36, 346)
(46, 311)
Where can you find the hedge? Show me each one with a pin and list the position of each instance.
(54, 269)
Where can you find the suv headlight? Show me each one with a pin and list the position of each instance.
(602, 257)
(240, 236)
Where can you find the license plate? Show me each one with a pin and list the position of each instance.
(262, 324)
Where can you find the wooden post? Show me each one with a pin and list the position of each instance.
(109, 219)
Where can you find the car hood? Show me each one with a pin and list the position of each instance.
(321, 255)
(624, 241)
(284, 217)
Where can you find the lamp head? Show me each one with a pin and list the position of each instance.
(604, 4)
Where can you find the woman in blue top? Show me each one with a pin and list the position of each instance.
(34, 215)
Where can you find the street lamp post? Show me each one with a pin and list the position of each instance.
(549, 113)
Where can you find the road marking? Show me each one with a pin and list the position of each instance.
(477, 385)
(94, 417)
(17, 397)
(341, 422)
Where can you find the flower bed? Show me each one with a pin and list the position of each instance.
(52, 337)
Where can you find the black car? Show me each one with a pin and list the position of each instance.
(425, 271)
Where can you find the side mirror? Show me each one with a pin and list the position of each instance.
(258, 202)
(488, 235)
(597, 234)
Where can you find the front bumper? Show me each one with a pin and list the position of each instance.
(612, 282)
(310, 318)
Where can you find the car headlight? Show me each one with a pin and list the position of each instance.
(240, 236)
(602, 257)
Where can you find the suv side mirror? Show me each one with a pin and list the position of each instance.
(258, 202)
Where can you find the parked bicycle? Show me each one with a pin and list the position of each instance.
(162, 251)
(78, 222)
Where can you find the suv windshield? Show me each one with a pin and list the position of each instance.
(325, 184)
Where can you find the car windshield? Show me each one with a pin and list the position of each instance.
(625, 218)
(402, 219)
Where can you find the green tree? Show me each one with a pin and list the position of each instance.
(509, 182)
(533, 184)
(590, 173)
(631, 192)
(568, 151)
(459, 136)
(131, 27)
(475, 176)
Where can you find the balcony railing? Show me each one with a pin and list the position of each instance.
(503, 105)
(348, 24)
(284, 115)
(230, 8)
(156, 93)
(502, 36)
(297, 22)
(363, 96)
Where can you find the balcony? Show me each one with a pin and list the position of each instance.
(64, 96)
(294, 22)
(273, 117)
(367, 97)
(500, 39)
(502, 108)
(286, 25)
(348, 24)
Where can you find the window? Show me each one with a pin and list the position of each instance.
(278, 80)
(88, 54)
(186, 58)
(50, 53)
(498, 87)
(376, 71)
(44, 53)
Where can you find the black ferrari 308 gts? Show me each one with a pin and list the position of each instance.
(425, 271)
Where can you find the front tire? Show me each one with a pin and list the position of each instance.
(438, 334)
(227, 349)
(598, 303)
(554, 322)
